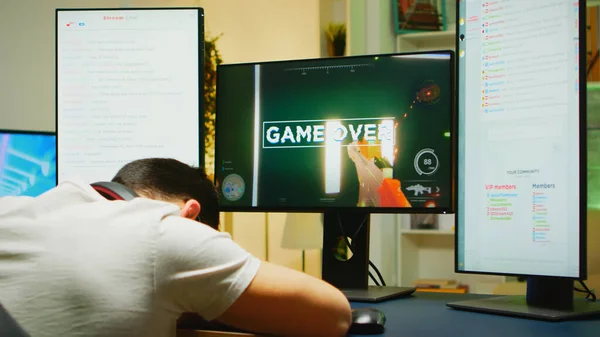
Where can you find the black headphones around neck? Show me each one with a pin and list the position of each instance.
(114, 191)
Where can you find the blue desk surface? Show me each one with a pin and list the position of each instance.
(426, 315)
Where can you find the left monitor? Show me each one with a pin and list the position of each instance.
(129, 85)
(27, 162)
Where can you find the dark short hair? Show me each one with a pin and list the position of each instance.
(165, 178)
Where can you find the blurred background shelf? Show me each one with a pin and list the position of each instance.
(443, 40)
(427, 232)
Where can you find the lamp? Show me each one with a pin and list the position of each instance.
(303, 231)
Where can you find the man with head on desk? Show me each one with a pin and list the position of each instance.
(73, 263)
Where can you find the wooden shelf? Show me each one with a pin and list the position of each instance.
(446, 35)
(426, 232)
(459, 290)
(593, 3)
(423, 41)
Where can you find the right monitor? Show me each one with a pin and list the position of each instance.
(521, 204)
(520, 132)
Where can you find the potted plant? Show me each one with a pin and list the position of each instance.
(212, 58)
(336, 39)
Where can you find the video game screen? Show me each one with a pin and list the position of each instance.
(370, 131)
(27, 163)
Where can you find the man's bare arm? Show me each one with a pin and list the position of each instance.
(285, 302)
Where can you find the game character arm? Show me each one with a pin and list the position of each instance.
(202, 270)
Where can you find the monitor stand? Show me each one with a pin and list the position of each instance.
(351, 276)
(548, 299)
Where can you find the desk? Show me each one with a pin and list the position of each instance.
(426, 315)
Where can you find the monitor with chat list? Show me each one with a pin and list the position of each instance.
(370, 132)
(521, 204)
(129, 85)
(27, 163)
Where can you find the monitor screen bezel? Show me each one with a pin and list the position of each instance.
(397, 210)
(28, 132)
(201, 65)
(582, 156)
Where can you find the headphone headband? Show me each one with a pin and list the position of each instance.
(114, 191)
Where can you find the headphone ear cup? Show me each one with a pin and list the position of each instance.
(114, 191)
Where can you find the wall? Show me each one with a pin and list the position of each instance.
(252, 31)
(264, 30)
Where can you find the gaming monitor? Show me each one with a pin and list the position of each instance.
(521, 205)
(129, 85)
(368, 132)
(27, 162)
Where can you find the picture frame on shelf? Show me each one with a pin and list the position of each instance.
(417, 16)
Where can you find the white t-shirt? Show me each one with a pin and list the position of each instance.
(75, 264)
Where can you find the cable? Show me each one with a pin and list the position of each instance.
(374, 279)
(592, 63)
(357, 231)
(590, 293)
(378, 273)
(350, 245)
(370, 274)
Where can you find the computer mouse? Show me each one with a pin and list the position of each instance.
(367, 321)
